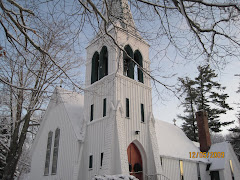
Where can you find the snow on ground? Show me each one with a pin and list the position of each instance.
(114, 177)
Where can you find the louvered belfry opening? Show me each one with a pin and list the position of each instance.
(99, 65)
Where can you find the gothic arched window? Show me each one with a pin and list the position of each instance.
(48, 153)
(95, 67)
(128, 65)
(103, 65)
(55, 151)
(139, 60)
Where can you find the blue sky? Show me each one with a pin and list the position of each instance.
(168, 108)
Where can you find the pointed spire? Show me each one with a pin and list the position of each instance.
(119, 14)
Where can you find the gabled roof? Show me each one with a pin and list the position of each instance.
(172, 142)
(74, 103)
(219, 163)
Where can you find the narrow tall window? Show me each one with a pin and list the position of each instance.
(181, 170)
(231, 167)
(198, 171)
(128, 65)
(104, 107)
(138, 58)
(127, 107)
(55, 151)
(95, 68)
(48, 153)
(90, 161)
(101, 162)
(103, 63)
(142, 113)
(91, 113)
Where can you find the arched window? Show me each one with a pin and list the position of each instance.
(55, 151)
(128, 65)
(48, 153)
(103, 66)
(95, 67)
(138, 59)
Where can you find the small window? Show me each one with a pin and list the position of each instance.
(55, 151)
(214, 175)
(181, 170)
(142, 113)
(91, 114)
(161, 161)
(48, 153)
(198, 171)
(127, 107)
(104, 107)
(101, 162)
(90, 161)
(208, 167)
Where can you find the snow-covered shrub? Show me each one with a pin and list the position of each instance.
(115, 177)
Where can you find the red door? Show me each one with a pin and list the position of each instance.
(135, 161)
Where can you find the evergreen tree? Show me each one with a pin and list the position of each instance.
(210, 97)
(203, 93)
(189, 125)
(235, 138)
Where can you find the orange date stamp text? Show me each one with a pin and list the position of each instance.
(206, 154)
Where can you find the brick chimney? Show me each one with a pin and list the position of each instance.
(203, 130)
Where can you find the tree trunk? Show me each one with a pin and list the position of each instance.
(15, 151)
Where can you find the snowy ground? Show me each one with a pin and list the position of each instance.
(114, 177)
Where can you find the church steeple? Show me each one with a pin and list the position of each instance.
(119, 14)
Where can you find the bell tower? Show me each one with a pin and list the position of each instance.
(118, 100)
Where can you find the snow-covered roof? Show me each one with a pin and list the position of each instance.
(172, 142)
(218, 163)
(74, 103)
(197, 144)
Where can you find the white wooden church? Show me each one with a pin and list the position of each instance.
(111, 130)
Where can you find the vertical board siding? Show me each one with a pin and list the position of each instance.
(190, 170)
(171, 168)
(96, 138)
(68, 147)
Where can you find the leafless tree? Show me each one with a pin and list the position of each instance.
(29, 77)
(189, 28)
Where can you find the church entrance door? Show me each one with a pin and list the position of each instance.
(135, 161)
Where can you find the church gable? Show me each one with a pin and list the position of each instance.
(56, 146)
